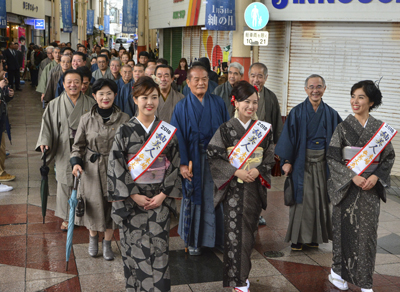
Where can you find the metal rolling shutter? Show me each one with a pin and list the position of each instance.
(167, 45)
(195, 44)
(176, 47)
(273, 56)
(186, 43)
(345, 53)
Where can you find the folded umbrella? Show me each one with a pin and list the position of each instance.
(73, 201)
(44, 186)
(187, 209)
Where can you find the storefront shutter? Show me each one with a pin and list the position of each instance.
(273, 56)
(167, 45)
(345, 53)
(195, 43)
(176, 46)
(186, 42)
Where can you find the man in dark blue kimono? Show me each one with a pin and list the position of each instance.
(197, 117)
(302, 148)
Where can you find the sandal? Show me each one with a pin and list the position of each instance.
(64, 226)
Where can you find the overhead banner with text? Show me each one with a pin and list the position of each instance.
(3, 14)
(129, 16)
(66, 15)
(220, 15)
(90, 22)
(107, 24)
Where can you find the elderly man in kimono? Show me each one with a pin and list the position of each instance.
(44, 77)
(268, 105)
(103, 71)
(211, 84)
(46, 61)
(55, 76)
(169, 97)
(126, 76)
(59, 123)
(78, 60)
(124, 98)
(196, 118)
(235, 74)
(302, 149)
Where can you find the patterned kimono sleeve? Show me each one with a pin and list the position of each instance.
(385, 165)
(340, 176)
(268, 159)
(79, 147)
(120, 184)
(172, 185)
(221, 169)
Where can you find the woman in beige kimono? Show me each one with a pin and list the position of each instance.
(89, 156)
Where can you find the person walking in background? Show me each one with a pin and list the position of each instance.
(302, 147)
(92, 144)
(181, 73)
(13, 66)
(355, 188)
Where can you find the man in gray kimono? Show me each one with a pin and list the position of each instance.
(268, 105)
(59, 123)
(235, 74)
(55, 75)
(103, 71)
(44, 77)
(302, 149)
(169, 97)
(46, 61)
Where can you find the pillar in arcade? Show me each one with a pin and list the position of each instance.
(57, 30)
(141, 26)
(240, 52)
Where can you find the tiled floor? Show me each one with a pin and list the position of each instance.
(32, 254)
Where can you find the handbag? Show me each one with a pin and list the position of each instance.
(288, 191)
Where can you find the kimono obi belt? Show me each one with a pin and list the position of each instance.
(253, 161)
(155, 173)
(349, 152)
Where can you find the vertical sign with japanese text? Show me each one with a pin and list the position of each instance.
(66, 15)
(3, 14)
(90, 22)
(107, 24)
(220, 15)
(129, 16)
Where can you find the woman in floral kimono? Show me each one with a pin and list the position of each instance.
(242, 190)
(142, 182)
(355, 189)
(93, 140)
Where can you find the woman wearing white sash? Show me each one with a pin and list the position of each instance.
(143, 196)
(242, 191)
(356, 198)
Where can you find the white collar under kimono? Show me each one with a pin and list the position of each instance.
(245, 126)
(149, 128)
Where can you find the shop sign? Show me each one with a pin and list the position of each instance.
(29, 6)
(179, 14)
(220, 15)
(334, 10)
(176, 1)
(3, 14)
(129, 16)
(39, 24)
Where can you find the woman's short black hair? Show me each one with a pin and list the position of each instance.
(102, 82)
(371, 90)
(242, 90)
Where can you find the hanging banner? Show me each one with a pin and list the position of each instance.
(66, 15)
(129, 16)
(107, 24)
(90, 22)
(3, 14)
(220, 15)
(21, 43)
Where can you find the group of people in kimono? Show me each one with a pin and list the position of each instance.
(139, 145)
